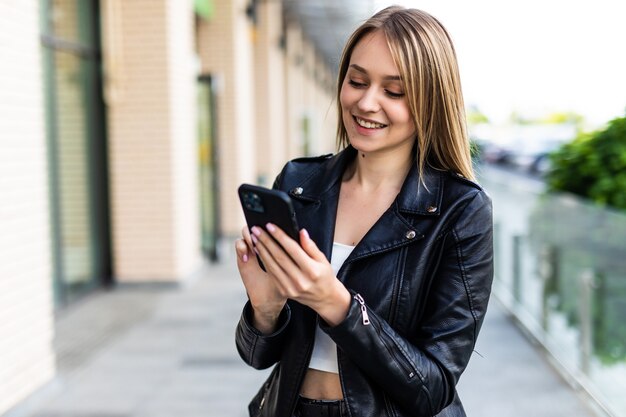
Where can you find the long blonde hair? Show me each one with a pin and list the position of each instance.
(424, 54)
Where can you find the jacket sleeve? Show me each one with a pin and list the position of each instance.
(257, 349)
(420, 374)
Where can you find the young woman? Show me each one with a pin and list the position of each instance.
(376, 310)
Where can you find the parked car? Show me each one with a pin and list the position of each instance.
(533, 156)
(493, 153)
(541, 165)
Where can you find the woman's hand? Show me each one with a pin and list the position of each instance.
(266, 299)
(302, 272)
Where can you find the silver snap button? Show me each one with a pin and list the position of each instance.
(410, 234)
(431, 209)
(297, 190)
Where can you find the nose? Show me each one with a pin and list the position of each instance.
(369, 101)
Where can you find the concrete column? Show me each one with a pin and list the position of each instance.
(270, 93)
(308, 111)
(327, 107)
(225, 45)
(150, 92)
(26, 329)
(295, 89)
(317, 103)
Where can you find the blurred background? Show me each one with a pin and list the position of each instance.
(126, 127)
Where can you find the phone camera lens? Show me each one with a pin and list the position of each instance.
(253, 202)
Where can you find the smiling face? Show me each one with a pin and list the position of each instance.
(374, 109)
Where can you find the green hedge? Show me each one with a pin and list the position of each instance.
(593, 166)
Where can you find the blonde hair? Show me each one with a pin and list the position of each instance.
(424, 54)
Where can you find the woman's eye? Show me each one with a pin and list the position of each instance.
(356, 84)
(393, 94)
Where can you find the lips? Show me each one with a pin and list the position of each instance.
(368, 124)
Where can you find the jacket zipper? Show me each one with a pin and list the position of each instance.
(399, 357)
(262, 402)
(366, 319)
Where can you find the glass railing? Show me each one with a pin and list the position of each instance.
(561, 272)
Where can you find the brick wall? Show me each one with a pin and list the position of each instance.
(270, 111)
(225, 48)
(295, 89)
(152, 139)
(263, 95)
(26, 328)
(183, 72)
(326, 107)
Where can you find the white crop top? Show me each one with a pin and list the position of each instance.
(324, 356)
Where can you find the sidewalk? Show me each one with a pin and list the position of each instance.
(141, 352)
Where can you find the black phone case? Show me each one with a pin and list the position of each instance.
(271, 206)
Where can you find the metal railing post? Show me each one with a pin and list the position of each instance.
(549, 273)
(517, 269)
(586, 285)
(497, 250)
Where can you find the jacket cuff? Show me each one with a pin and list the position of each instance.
(353, 318)
(283, 320)
(255, 348)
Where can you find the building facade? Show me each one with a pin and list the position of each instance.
(126, 128)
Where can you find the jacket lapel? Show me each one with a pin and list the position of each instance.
(318, 196)
(399, 225)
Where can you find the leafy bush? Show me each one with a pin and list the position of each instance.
(593, 166)
(475, 149)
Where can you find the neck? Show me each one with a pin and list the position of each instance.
(373, 172)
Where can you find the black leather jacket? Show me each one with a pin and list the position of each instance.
(421, 279)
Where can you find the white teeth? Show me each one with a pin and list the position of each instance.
(369, 125)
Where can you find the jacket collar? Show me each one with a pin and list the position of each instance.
(319, 191)
(417, 197)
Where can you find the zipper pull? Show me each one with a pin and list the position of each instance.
(366, 319)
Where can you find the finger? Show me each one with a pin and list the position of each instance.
(291, 247)
(278, 251)
(242, 250)
(298, 283)
(276, 261)
(248, 239)
(312, 265)
(310, 247)
(266, 247)
(245, 232)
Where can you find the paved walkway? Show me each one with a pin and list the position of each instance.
(141, 352)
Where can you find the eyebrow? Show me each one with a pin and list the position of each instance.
(386, 77)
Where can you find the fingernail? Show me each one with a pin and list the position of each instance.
(306, 234)
(245, 257)
(270, 227)
(254, 239)
(256, 231)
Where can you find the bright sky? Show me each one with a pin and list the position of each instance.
(538, 56)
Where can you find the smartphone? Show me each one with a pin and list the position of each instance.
(262, 205)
